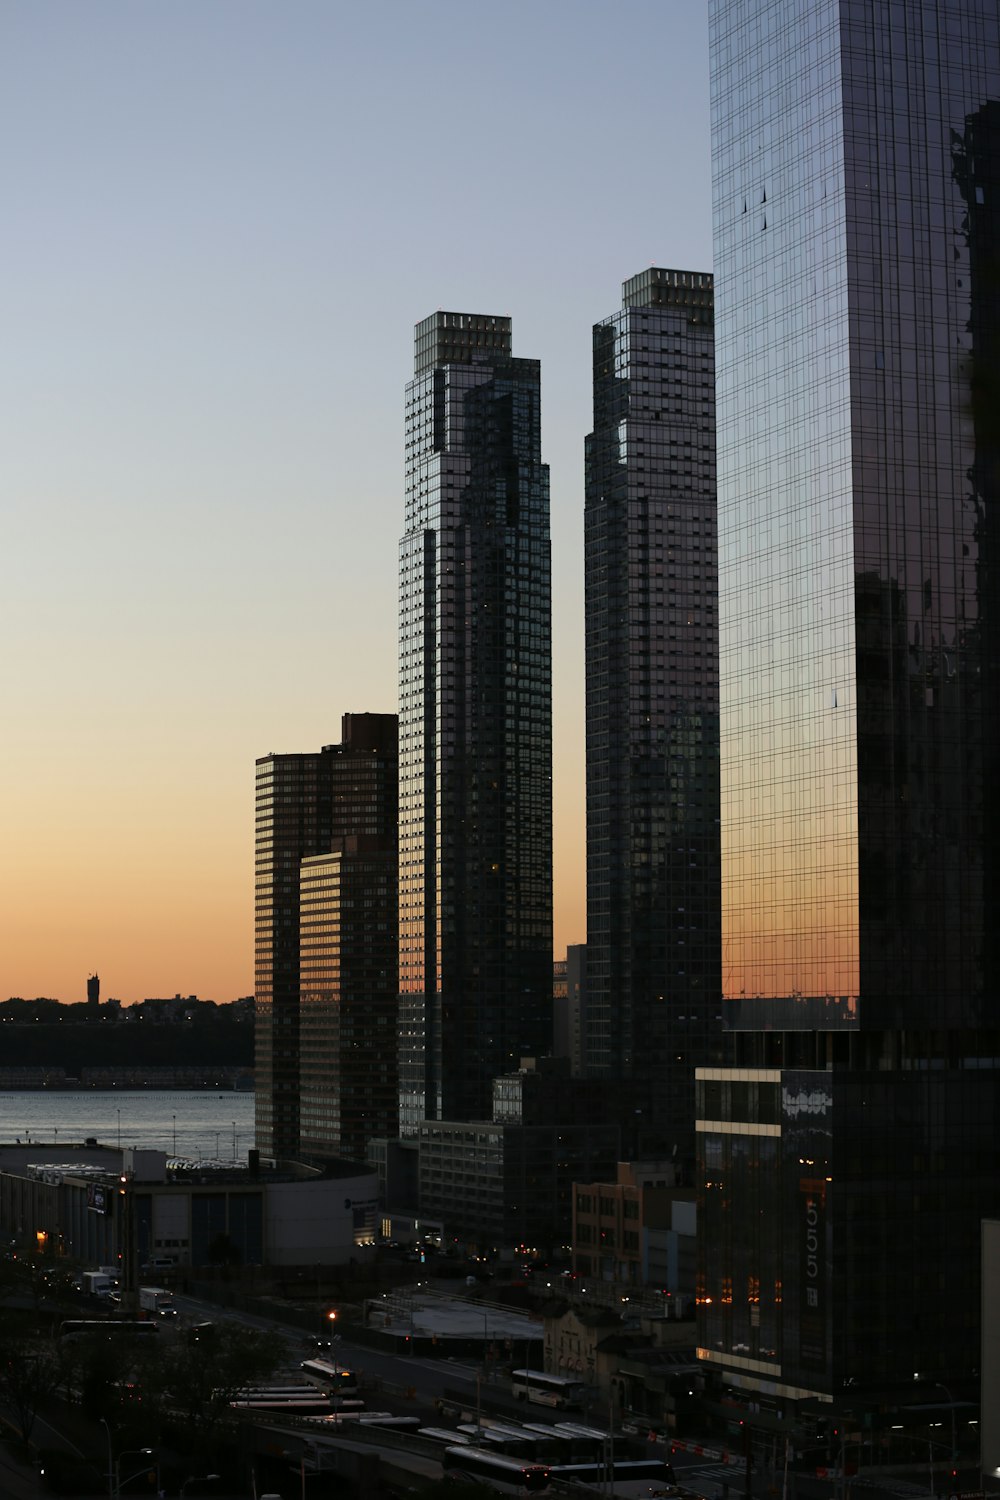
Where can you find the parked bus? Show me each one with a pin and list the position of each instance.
(629, 1476)
(502, 1439)
(547, 1390)
(511, 1476)
(110, 1328)
(295, 1406)
(349, 1419)
(261, 1392)
(333, 1379)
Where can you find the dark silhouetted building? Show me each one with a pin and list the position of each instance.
(93, 991)
(652, 987)
(475, 709)
(308, 805)
(569, 989)
(348, 997)
(506, 1180)
(850, 1151)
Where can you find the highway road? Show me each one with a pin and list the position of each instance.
(428, 1378)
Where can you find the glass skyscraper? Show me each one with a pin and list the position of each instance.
(312, 1020)
(475, 710)
(848, 1156)
(292, 819)
(652, 993)
(348, 961)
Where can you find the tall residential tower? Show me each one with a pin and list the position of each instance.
(315, 1020)
(849, 1156)
(475, 882)
(652, 706)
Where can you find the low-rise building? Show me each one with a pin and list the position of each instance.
(107, 1206)
(508, 1182)
(638, 1230)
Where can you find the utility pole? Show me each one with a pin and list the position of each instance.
(126, 1225)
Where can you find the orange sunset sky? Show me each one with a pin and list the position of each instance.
(223, 222)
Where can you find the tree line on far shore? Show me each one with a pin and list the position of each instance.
(61, 1036)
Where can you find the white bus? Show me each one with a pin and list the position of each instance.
(511, 1476)
(647, 1477)
(547, 1390)
(110, 1328)
(499, 1439)
(333, 1379)
(293, 1406)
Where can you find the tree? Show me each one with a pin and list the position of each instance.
(29, 1374)
(222, 1252)
(199, 1380)
(111, 1374)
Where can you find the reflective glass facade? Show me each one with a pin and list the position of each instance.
(347, 1007)
(652, 990)
(854, 173)
(475, 879)
(856, 182)
(292, 819)
(305, 804)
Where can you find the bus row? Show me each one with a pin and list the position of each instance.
(622, 1478)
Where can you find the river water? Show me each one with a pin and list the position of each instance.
(215, 1123)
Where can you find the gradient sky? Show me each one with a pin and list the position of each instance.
(221, 223)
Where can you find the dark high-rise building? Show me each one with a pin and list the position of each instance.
(93, 991)
(652, 993)
(475, 711)
(850, 1153)
(348, 956)
(507, 1180)
(306, 805)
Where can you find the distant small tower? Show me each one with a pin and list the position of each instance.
(93, 991)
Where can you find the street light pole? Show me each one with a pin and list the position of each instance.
(111, 1462)
(329, 1325)
(132, 1453)
(939, 1385)
(951, 1407)
(611, 1439)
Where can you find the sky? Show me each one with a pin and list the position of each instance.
(221, 223)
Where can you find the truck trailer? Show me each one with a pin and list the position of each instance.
(156, 1302)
